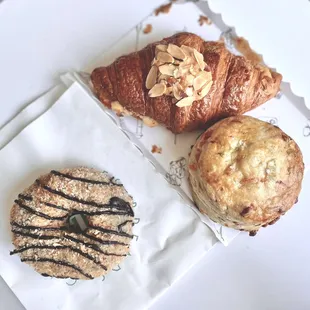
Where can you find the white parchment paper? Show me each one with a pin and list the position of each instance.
(171, 237)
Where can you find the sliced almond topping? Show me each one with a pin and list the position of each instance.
(189, 91)
(151, 77)
(169, 90)
(201, 79)
(149, 121)
(184, 68)
(176, 51)
(199, 57)
(163, 77)
(167, 69)
(117, 107)
(179, 72)
(205, 90)
(177, 92)
(162, 47)
(157, 90)
(194, 69)
(176, 73)
(185, 102)
(164, 57)
(189, 79)
(188, 51)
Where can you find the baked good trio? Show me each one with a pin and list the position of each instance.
(244, 173)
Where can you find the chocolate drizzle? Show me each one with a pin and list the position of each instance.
(38, 213)
(115, 202)
(112, 180)
(30, 227)
(120, 226)
(107, 212)
(113, 232)
(68, 237)
(57, 277)
(92, 246)
(50, 260)
(25, 197)
(53, 206)
(103, 242)
(60, 247)
(71, 177)
(30, 235)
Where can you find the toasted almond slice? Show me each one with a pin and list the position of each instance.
(176, 73)
(157, 90)
(205, 90)
(201, 79)
(151, 77)
(167, 69)
(177, 92)
(189, 79)
(157, 63)
(194, 69)
(163, 77)
(184, 68)
(188, 51)
(185, 102)
(149, 121)
(175, 51)
(169, 91)
(199, 58)
(189, 91)
(117, 107)
(162, 47)
(164, 57)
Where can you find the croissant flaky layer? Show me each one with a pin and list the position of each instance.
(238, 86)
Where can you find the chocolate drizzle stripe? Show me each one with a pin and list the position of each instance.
(71, 177)
(30, 235)
(29, 227)
(25, 197)
(92, 246)
(108, 212)
(125, 207)
(103, 242)
(54, 206)
(57, 262)
(109, 231)
(57, 277)
(23, 206)
(60, 247)
(46, 237)
(120, 226)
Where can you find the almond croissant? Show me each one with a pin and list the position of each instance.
(238, 86)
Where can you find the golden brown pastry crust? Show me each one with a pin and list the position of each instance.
(40, 224)
(238, 86)
(245, 173)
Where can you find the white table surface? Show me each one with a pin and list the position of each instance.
(41, 39)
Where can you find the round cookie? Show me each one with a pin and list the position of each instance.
(245, 173)
(73, 223)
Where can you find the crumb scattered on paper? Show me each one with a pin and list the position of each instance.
(243, 46)
(204, 20)
(156, 149)
(147, 29)
(165, 9)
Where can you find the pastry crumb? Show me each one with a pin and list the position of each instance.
(147, 29)
(243, 46)
(165, 9)
(204, 20)
(156, 149)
